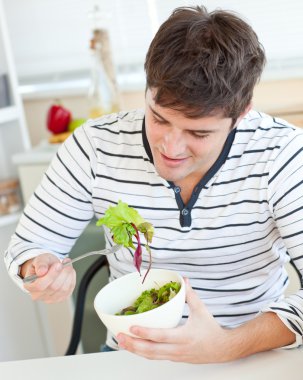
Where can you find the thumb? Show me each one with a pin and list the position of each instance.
(192, 299)
(42, 264)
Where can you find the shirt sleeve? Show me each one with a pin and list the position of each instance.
(61, 206)
(286, 201)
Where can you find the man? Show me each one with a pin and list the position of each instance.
(221, 184)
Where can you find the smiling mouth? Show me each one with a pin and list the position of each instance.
(173, 161)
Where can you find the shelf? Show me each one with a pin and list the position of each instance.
(8, 114)
(69, 85)
(6, 220)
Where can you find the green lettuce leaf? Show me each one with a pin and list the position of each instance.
(153, 298)
(125, 223)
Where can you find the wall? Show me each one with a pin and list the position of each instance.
(282, 98)
(36, 110)
(278, 25)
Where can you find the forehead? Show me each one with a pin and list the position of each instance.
(179, 118)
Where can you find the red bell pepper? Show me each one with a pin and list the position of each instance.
(58, 119)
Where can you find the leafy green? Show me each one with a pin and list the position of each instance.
(153, 298)
(125, 223)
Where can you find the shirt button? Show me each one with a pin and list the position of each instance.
(177, 189)
(185, 212)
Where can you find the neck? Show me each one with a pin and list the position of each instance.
(187, 186)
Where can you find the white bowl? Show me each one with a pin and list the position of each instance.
(122, 293)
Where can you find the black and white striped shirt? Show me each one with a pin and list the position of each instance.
(242, 224)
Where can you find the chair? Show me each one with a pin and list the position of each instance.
(80, 304)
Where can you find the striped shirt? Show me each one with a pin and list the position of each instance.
(243, 222)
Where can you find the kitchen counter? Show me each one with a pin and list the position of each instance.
(40, 154)
(277, 365)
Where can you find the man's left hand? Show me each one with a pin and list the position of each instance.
(200, 340)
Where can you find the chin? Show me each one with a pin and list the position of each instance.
(170, 174)
(164, 176)
(169, 177)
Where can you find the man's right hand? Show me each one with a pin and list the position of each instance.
(55, 283)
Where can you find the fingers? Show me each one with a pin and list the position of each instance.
(53, 290)
(40, 266)
(55, 282)
(63, 288)
(172, 335)
(64, 284)
(44, 281)
(148, 349)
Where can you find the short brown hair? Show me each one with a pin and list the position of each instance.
(203, 63)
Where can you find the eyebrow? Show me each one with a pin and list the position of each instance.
(192, 130)
(157, 114)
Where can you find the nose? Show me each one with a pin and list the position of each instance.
(173, 143)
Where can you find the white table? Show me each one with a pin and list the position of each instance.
(273, 365)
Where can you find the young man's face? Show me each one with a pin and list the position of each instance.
(182, 148)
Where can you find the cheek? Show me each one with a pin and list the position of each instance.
(154, 134)
(212, 146)
(203, 148)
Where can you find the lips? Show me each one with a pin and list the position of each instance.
(172, 162)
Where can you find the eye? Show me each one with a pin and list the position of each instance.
(199, 135)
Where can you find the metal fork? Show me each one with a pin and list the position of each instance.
(106, 251)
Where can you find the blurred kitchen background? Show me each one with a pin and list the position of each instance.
(50, 53)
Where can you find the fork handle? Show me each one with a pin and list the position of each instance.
(34, 277)
(105, 252)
